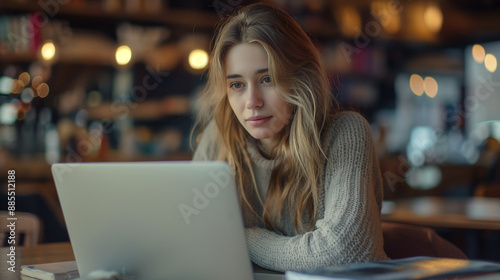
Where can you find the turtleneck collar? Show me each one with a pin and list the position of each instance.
(258, 159)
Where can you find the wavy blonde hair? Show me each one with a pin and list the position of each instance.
(297, 72)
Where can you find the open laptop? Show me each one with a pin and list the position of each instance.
(155, 220)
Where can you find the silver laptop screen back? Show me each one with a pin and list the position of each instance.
(156, 220)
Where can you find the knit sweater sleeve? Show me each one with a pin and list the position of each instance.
(349, 231)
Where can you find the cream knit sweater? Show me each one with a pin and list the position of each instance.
(348, 229)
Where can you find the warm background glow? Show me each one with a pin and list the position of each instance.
(350, 21)
(478, 53)
(24, 78)
(389, 19)
(433, 18)
(198, 59)
(42, 90)
(490, 62)
(123, 55)
(431, 87)
(417, 84)
(48, 50)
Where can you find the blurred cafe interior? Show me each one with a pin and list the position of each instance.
(117, 80)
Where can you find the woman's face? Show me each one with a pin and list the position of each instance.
(257, 104)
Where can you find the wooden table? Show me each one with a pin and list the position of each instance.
(58, 252)
(472, 215)
(44, 253)
(464, 213)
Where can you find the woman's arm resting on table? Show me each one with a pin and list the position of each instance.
(350, 229)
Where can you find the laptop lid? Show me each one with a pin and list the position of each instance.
(154, 220)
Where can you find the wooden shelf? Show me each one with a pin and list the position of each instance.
(116, 156)
(17, 58)
(144, 110)
(180, 17)
(28, 58)
(36, 169)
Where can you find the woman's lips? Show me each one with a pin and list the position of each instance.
(256, 121)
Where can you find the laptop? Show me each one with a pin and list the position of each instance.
(155, 220)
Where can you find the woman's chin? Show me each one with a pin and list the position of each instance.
(261, 135)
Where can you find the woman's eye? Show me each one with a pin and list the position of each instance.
(266, 80)
(236, 85)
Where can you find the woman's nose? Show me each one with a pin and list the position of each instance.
(254, 97)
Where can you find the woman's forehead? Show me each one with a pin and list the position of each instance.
(246, 58)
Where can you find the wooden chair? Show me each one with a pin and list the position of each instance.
(26, 224)
(404, 241)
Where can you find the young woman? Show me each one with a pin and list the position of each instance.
(307, 176)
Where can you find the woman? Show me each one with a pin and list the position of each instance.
(307, 177)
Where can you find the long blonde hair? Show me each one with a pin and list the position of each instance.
(297, 72)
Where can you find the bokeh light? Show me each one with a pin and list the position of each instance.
(24, 78)
(37, 80)
(417, 84)
(478, 53)
(433, 18)
(490, 62)
(17, 86)
(42, 90)
(48, 50)
(123, 55)
(431, 87)
(198, 59)
(8, 113)
(27, 95)
(6, 85)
